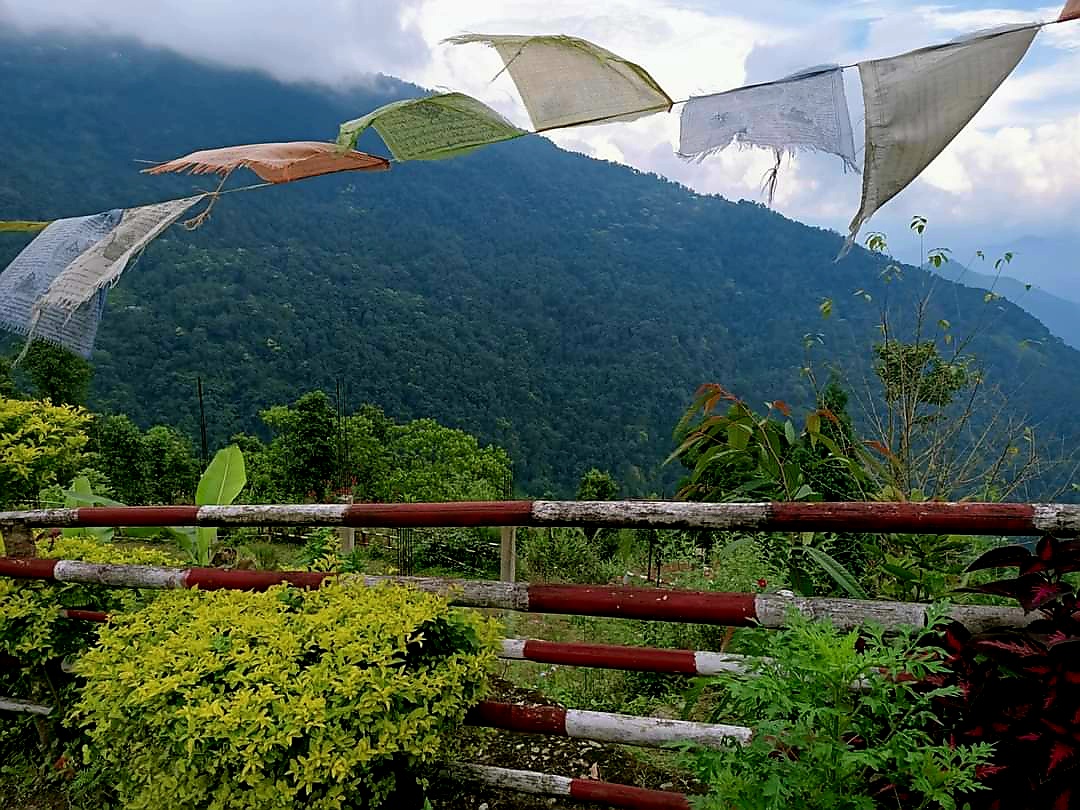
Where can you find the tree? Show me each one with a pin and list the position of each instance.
(597, 485)
(155, 467)
(940, 430)
(263, 480)
(116, 450)
(304, 446)
(56, 374)
(170, 466)
(431, 462)
(600, 485)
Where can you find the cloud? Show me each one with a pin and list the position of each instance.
(331, 41)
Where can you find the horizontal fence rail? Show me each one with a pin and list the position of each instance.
(601, 727)
(944, 518)
(24, 707)
(626, 729)
(631, 659)
(582, 790)
(698, 607)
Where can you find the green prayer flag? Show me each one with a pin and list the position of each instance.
(432, 128)
(21, 226)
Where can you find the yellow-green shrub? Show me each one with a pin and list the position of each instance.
(31, 628)
(281, 699)
(34, 639)
(40, 444)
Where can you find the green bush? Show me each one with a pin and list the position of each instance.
(564, 555)
(322, 698)
(841, 722)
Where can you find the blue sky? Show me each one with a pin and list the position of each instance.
(1012, 173)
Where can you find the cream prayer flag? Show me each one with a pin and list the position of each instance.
(565, 81)
(432, 128)
(918, 102)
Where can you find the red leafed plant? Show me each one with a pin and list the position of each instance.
(1020, 688)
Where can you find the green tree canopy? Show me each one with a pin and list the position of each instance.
(597, 485)
(57, 374)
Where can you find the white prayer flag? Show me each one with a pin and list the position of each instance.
(916, 103)
(55, 288)
(808, 110)
(100, 266)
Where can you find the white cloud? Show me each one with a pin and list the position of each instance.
(327, 40)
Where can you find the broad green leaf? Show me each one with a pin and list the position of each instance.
(838, 572)
(80, 494)
(205, 538)
(789, 432)
(905, 574)
(223, 479)
(689, 442)
(187, 542)
(738, 435)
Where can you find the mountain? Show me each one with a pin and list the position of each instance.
(1047, 262)
(563, 307)
(1059, 315)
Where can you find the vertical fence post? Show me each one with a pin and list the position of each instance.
(346, 534)
(18, 540)
(508, 554)
(508, 539)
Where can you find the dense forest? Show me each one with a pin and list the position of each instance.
(563, 308)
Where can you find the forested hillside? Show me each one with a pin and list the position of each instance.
(562, 307)
(1060, 315)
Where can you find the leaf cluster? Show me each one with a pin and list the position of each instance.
(40, 443)
(840, 723)
(735, 454)
(1020, 688)
(328, 698)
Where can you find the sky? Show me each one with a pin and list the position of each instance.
(1012, 173)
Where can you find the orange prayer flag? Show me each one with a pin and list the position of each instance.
(276, 162)
(1071, 11)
